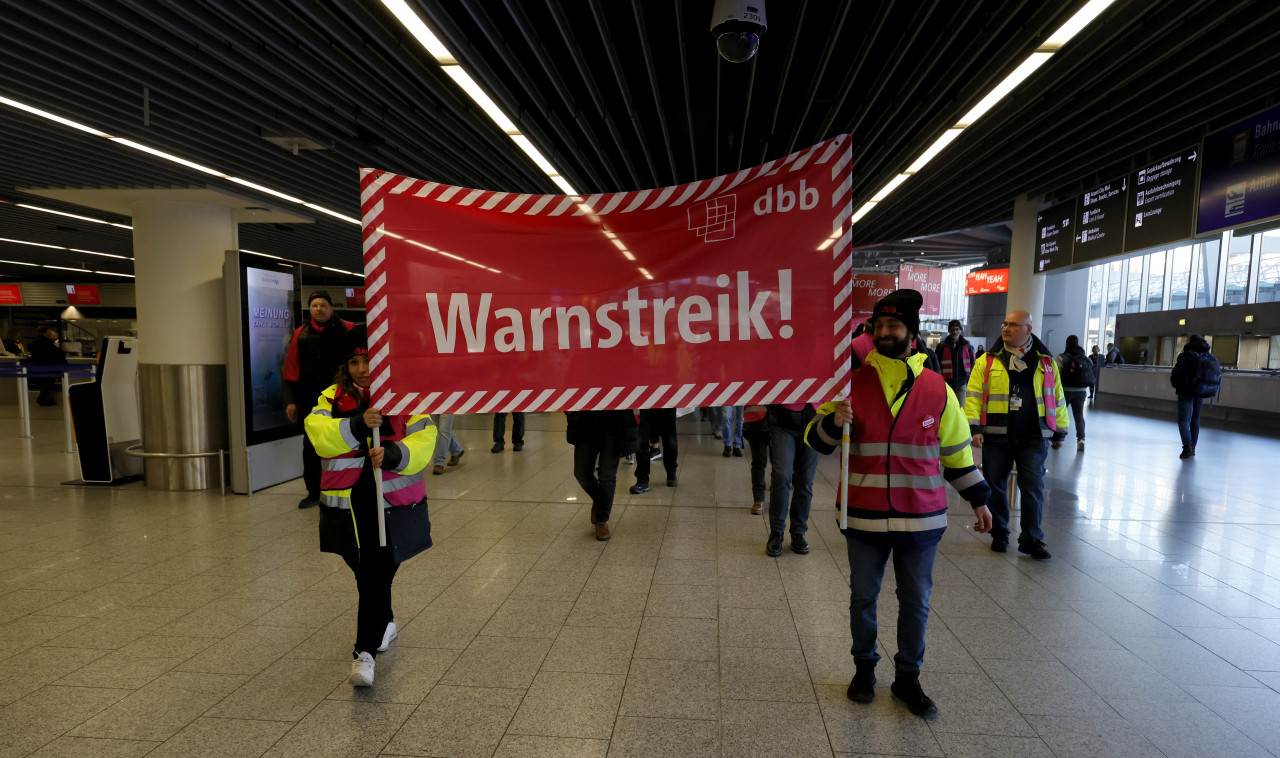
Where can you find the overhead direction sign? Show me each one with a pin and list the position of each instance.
(1240, 174)
(1099, 222)
(1054, 240)
(1162, 202)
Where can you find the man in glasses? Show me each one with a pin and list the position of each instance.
(1016, 410)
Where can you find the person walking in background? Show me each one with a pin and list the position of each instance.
(1114, 358)
(500, 432)
(600, 439)
(908, 436)
(315, 354)
(1016, 410)
(731, 430)
(341, 428)
(659, 424)
(46, 352)
(1098, 360)
(446, 445)
(1196, 375)
(955, 357)
(755, 430)
(1077, 379)
(791, 488)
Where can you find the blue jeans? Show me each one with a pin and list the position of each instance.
(793, 464)
(998, 456)
(913, 573)
(446, 443)
(731, 425)
(1189, 418)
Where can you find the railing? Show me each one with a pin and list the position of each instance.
(137, 452)
(25, 371)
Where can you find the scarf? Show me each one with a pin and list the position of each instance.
(1016, 354)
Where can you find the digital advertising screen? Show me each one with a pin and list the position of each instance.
(272, 303)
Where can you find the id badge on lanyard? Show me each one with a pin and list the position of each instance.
(1015, 402)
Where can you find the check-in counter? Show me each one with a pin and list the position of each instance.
(9, 385)
(1249, 398)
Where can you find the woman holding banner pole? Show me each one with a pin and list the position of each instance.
(367, 457)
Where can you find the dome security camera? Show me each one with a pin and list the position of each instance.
(737, 26)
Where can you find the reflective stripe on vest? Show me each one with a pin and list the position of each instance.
(340, 473)
(1046, 402)
(898, 524)
(893, 463)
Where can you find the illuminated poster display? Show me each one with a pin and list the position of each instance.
(986, 281)
(83, 294)
(270, 320)
(927, 281)
(10, 294)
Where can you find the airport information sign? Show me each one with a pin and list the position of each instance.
(10, 294)
(1099, 222)
(1162, 201)
(1054, 239)
(1240, 174)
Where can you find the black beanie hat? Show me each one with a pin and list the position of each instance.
(955, 322)
(324, 294)
(357, 341)
(903, 305)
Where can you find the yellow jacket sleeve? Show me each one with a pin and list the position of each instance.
(330, 436)
(973, 397)
(417, 447)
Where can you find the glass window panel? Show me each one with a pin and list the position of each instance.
(1155, 283)
(1239, 256)
(1180, 278)
(1269, 269)
(1115, 271)
(1207, 275)
(1273, 361)
(1133, 297)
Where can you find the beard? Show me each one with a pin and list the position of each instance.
(891, 347)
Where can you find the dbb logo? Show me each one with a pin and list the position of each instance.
(806, 197)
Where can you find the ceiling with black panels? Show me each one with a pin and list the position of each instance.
(618, 94)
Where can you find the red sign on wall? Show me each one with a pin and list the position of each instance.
(928, 282)
(725, 291)
(984, 282)
(83, 294)
(867, 289)
(355, 297)
(10, 294)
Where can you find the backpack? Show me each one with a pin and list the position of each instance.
(1077, 372)
(1208, 375)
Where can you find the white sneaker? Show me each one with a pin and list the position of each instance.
(388, 637)
(1080, 446)
(361, 671)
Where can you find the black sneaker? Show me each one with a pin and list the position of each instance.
(773, 547)
(517, 446)
(727, 451)
(638, 488)
(907, 689)
(655, 453)
(737, 452)
(1036, 549)
(999, 546)
(799, 544)
(310, 501)
(671, 481)
(497, 447)
(863, 687)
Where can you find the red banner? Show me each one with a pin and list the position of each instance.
(354, 297)
(83, 294)
(10, 294)
(983, 282)
(727, 291)
(867, 289)
(928, 282)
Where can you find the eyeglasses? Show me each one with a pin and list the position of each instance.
(1012, 325)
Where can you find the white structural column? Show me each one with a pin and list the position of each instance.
(1026, 288)
(179, 248)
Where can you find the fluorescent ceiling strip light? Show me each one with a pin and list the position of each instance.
(533, 152)
(112, 273)
(51, 117)
(1077, 22)
(167, 156)
(33, 244)
(562, 184)
(934, 149)
(864, 210)
(64, 268)
(890, 187)
(104, 255)
(20, 263)
(482, 98)
(267, 190)
(1033, 62)
(72, 215)
(264, 255)
(335, 214)
(418, 29)
(340, 271)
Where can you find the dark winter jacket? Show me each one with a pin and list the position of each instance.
(596, 426)
(315, 355)
(45, 350)
(1187, 368)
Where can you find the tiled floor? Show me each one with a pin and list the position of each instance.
(188, 624)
